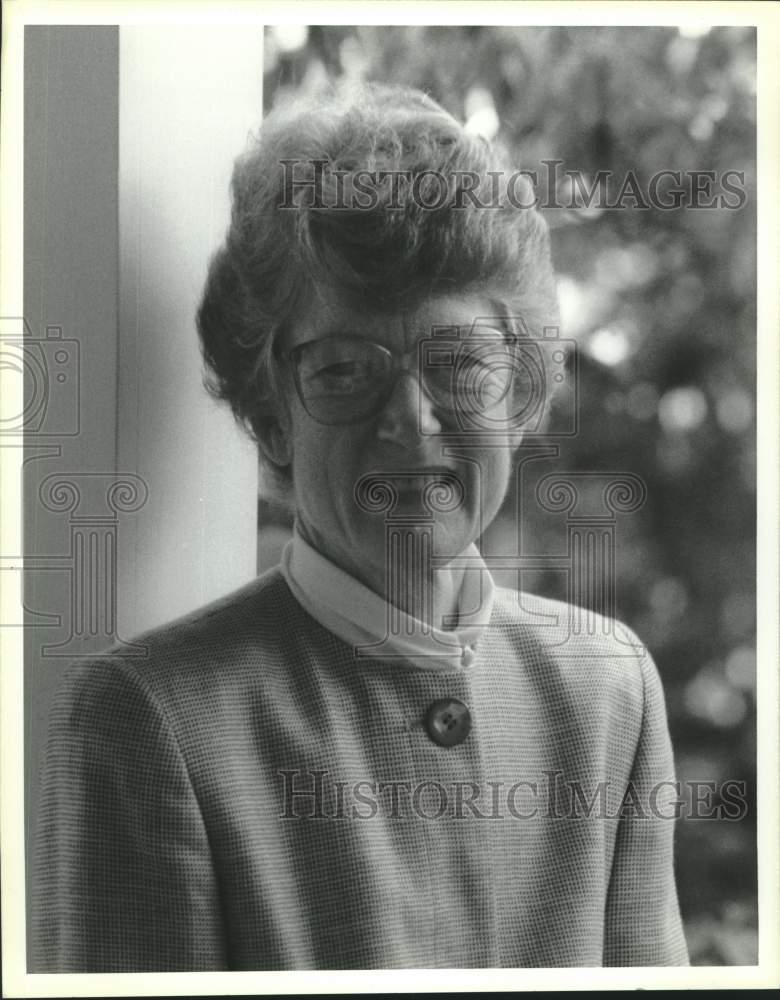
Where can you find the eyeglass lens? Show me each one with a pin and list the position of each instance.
(344, 379)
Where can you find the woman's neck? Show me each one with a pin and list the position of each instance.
(422, 592)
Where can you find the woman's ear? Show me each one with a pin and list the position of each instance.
(275, 441)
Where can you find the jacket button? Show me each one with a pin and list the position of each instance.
(448, 722)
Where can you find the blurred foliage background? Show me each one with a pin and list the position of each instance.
(662, 307)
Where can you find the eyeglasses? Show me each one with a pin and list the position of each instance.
(346, 380)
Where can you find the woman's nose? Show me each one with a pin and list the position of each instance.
(408, 412)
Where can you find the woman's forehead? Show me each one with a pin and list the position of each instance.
(327, 316)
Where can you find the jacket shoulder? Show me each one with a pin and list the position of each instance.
(577, 647)
(252, 607)
(245, 625)
(556, 623)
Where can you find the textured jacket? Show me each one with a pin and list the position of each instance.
(250, 796)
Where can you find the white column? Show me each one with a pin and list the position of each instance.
(188, 98)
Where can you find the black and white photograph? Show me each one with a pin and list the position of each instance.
(389, 542)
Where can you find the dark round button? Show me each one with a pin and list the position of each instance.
(448, 722)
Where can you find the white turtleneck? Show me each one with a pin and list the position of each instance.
(374, 628)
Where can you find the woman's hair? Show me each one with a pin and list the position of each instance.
(382, 198)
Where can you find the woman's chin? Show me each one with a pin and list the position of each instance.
(401, 538)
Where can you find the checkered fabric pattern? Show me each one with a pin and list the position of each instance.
(210, 805)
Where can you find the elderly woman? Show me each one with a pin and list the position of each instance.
(372, 756)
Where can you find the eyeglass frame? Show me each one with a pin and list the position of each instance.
(291, 357)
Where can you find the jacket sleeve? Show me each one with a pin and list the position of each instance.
(642, 921)
(123, 879)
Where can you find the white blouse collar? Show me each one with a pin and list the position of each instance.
(354, 613)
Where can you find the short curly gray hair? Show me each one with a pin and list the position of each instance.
(409, 241)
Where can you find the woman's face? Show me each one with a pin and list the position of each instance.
(404, 441)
